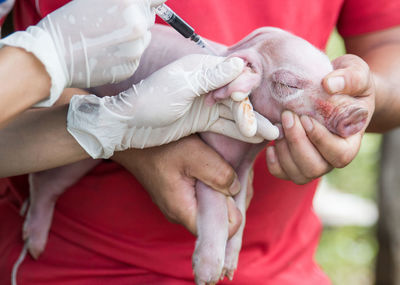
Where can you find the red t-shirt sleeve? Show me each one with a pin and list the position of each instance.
(364, 16)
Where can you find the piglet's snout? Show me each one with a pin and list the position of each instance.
(350, 121)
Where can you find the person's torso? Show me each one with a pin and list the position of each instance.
(111, 215)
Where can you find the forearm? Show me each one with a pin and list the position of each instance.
(24, 82)
(381, 51)
(38, 140)
(385, 65)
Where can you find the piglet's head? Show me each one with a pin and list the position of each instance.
(290, 72)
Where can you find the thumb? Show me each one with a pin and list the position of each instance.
(209, 79)
(351, 76)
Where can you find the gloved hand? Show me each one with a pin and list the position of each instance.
(165, 107)
(89, 42)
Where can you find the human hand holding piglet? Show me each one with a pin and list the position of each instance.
(166, 106)
(308, 150)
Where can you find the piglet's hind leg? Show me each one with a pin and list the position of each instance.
(212, 227)
(45, 188)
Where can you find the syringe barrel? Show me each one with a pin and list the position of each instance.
(169, 16)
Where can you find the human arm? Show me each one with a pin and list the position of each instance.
(38, 140)
(381, 50)
(24, 82)
(81, 44)
(308, 149)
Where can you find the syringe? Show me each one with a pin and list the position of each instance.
(169, 16)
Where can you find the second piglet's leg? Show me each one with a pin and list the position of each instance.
(212, 229)
(45, 188)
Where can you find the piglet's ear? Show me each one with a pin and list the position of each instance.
(254, 37)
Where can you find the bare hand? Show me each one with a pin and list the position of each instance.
(308, 149)
(169, 173)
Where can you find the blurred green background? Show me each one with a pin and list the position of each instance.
(347, 254)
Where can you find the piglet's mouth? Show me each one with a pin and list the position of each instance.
(349, 122)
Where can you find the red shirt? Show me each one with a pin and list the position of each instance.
(106, 230)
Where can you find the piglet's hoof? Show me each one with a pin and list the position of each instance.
(36, 227)
(207, 268)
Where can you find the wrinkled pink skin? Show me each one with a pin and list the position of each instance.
(286, 73)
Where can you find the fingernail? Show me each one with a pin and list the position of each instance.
(307, 123)
(271, 156)
(281, 132)
(287, 119)
(235, 187)
(335, 84)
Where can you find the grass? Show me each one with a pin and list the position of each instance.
(347, 254)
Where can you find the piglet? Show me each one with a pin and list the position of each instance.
(284, 72)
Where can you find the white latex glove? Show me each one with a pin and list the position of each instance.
(163, 108)
(5, 7)
(89, 42)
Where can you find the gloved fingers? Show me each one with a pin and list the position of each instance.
(210, 78)
(243, 114)
(90, 43)
(265, 128)
(240, 88)
(138, 46)
(244, 117)
(228, 128)
(140, 17)
(226, 92)
(155, 3)
(225, 112)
